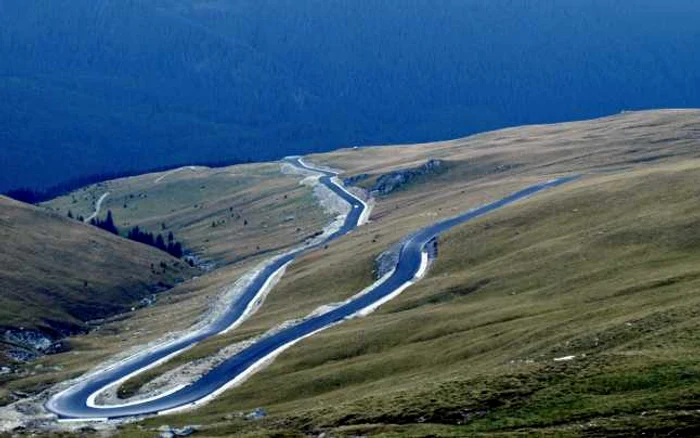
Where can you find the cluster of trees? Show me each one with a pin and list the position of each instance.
(107, 224)
(172, 247)
(80, 217)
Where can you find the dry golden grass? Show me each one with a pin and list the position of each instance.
(175, 311)
(604, 267)
(224, 214)
(595, 269)
(618, 142)
(258, 194)
(58, 273)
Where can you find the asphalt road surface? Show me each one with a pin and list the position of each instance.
(77, 402)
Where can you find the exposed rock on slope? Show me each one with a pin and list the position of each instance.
(351, 181)
(395, 180)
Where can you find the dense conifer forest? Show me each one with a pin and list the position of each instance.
(103, 86)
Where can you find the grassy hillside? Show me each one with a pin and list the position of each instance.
(604, 270)
(600, 274)
(257, 210)
(58, 273)
(222, 214)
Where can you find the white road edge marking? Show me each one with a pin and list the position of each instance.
(256, 366)
(419, 274)
(423, 268)
(91, 400)
(314, 167)
(82, 420)
(259, 297)
(364, 217)
(269, 283)
(260, 363)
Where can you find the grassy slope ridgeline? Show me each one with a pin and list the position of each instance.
(222, 214)
(58, 273)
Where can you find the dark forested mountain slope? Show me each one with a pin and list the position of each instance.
(92, 86)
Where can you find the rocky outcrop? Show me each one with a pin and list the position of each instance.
(393, 181)
(29, 338)
(352, 180)
(166, 431)
(25, 345)
(256, 414)
(387, 261)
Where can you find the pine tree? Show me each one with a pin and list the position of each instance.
(160, 243)
(172, 247)
(109, 223)
(135, 234)
(175, 250)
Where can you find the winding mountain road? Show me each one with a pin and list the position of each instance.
(78, 401)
